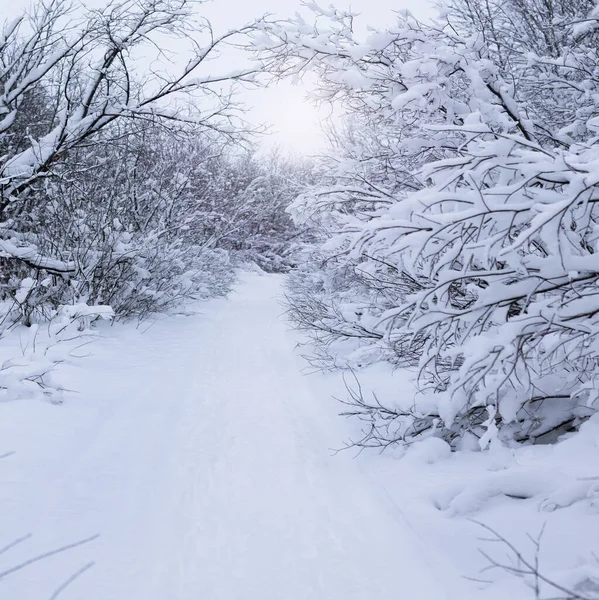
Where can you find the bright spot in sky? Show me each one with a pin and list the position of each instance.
(295, 122)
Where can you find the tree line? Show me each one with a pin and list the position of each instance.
(457, 215)
(449, 229)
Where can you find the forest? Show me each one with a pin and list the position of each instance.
(434, 263)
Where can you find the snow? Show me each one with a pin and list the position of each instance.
(518, 492)
(201, 457)
(32, 256)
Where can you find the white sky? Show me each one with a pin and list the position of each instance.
(294, 122)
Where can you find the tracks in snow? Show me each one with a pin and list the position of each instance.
(201, 456)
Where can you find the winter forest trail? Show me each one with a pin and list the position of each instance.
(201, 455)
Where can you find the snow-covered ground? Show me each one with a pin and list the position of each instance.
(201, 456)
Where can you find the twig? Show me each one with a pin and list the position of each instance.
(70, 580)
(47, 555)
(15, 543)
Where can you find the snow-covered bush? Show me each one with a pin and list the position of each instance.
(97, 156)
(98, 165)
(30, 356)
(479, 202)
(139, 249)
(244, 200)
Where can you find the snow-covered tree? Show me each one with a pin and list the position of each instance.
(466, 242)
(99, 156)
(254, 190)
(65, 77)
(129, 223)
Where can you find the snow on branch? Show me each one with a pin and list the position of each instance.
(459, 211)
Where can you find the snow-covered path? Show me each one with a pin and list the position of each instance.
(201, 456)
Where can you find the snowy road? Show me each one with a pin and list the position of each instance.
(201, 456)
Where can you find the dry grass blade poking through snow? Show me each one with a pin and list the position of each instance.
(544, 586)
(40, 557)
(7, 571)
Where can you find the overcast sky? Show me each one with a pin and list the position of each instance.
(293, 120)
